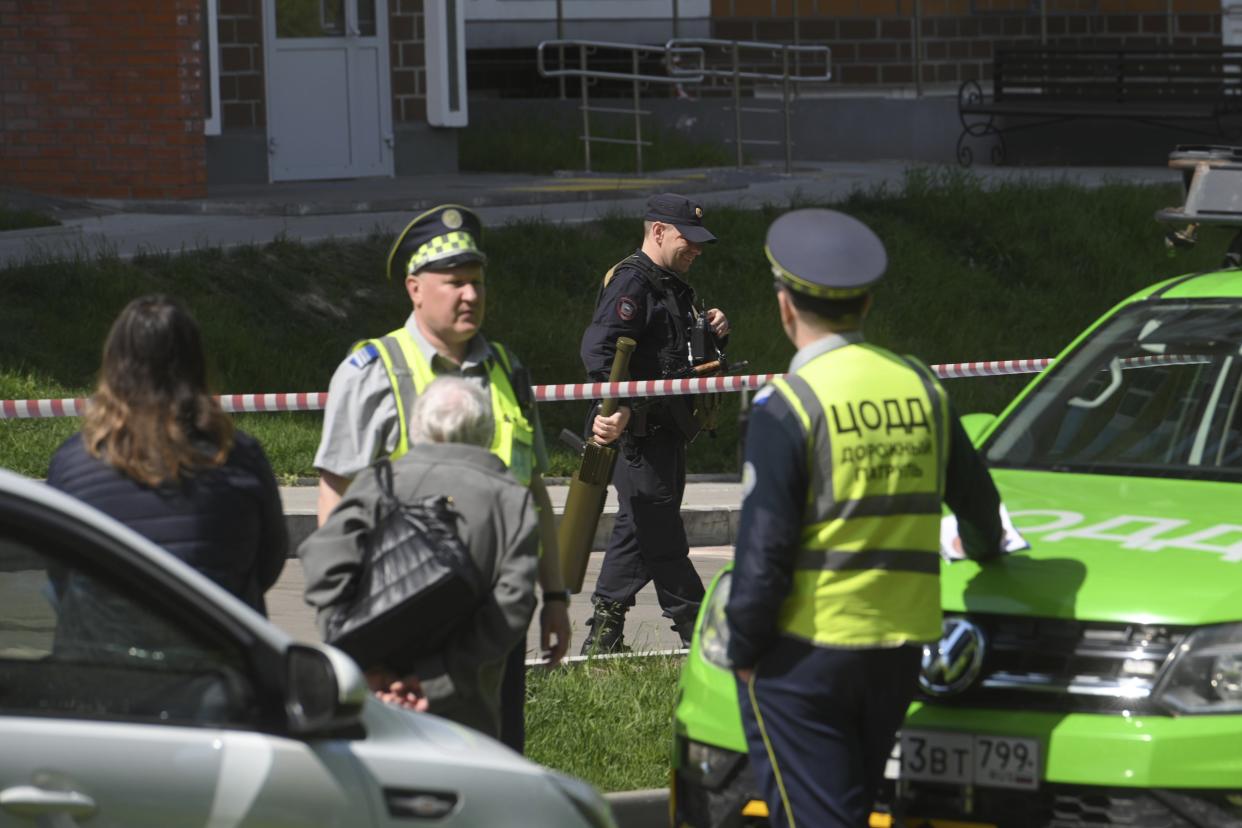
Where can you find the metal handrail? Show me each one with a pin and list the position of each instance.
(736, 75)
(600, 74)
(589, 48)
(753, 45)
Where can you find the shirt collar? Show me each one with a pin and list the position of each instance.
(476, 353)
(823, 345)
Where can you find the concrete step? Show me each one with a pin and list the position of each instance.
(710, 511)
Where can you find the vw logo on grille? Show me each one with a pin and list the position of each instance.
(952, 664)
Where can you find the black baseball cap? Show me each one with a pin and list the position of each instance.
(682, 213)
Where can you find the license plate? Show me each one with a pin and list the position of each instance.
(969, 759)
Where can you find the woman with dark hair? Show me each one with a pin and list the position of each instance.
(157, 453)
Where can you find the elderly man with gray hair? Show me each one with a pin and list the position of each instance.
(450, 430)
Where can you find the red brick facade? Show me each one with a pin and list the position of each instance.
(872, 40)
(407, 34)
(102, 99)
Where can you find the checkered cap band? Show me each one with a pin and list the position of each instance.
(441, 247)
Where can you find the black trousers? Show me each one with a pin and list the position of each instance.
(820, 725)
(648, 540)
(513, 699)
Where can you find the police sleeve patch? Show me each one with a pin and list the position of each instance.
(764, 393)
(364, 356)
(627, 308)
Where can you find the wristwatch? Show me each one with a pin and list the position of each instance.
(555, 595)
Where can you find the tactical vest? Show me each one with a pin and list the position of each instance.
(867, 573)
(682, 413)
(409, 373)
(674, 352)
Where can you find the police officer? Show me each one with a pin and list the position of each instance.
(646, 298)
(372, 393)
(836, 578)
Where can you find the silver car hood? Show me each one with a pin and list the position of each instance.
(413, 753)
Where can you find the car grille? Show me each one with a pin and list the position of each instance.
(1067, 666)
(1071, 806)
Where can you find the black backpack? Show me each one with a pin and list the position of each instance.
(418, 583)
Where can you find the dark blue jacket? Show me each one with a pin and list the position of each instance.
(226, 522)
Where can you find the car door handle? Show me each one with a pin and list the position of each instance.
(29, 801)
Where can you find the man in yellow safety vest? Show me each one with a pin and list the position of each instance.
(372, 393)
(836, 582)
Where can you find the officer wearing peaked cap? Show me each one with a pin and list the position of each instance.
(646, 297)
(438, 261)
(836, 573)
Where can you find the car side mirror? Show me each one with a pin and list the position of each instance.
(976, 425)
(324, 690)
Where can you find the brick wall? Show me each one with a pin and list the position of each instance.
(102, 99)
(872, 40)
(241, 64)
(407, 34)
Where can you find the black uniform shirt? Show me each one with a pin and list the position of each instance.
(774, 499)
(654, 309)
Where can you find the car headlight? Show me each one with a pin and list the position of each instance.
(585, 799)
(1204, 673)
(714, 629)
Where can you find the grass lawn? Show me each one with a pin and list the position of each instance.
(608, 721)
(974, 274)
(11, 219)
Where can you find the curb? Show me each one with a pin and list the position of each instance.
(705, 526)
(639, 809)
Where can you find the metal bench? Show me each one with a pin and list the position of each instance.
(1192, 89)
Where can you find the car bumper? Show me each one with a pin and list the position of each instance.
(1096, 769)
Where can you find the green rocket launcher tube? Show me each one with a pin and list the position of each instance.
(589, 486)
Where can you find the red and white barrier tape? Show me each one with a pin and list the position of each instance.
(315, 401)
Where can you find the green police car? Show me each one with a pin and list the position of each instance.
(1095, 678)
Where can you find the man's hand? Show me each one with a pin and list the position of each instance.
(554, 631)
(744, 674)
(720, 325)
(607, 429)
(404, 692)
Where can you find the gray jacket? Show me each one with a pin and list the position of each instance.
(498, 526)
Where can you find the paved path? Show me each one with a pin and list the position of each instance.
(645, 628)
(710, 511)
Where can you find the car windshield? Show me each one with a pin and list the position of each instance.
(1154, 391)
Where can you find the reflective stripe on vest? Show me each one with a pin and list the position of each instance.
(409, 373)
(868, 570)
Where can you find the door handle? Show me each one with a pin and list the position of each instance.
(29, 801)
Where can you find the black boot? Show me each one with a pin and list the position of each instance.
(607, 629)
(685, 628)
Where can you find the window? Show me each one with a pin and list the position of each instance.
(1157, 391)
(87, 644)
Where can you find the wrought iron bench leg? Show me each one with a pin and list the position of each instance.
(970, 93)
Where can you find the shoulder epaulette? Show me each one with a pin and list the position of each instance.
(364, 355)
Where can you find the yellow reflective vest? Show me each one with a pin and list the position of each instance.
(867, 573)
(409, 373)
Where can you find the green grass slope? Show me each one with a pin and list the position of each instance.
(974, 274)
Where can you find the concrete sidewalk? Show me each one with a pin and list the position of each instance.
(710, 511)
